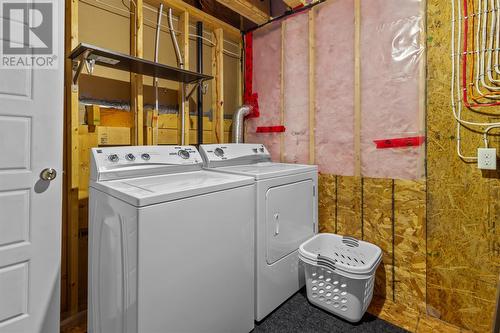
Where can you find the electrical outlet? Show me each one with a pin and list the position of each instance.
(487, 158)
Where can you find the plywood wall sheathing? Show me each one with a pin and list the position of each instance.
(349, 206)
(463, 240)
(390, 214)
(410, 244)
(327, 203)
(378, 229)
(248, 9)
(410, 319)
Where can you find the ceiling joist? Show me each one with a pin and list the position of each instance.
(209, 21)
(295, 3)
(248, 9)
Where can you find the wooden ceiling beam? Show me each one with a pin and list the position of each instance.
(295, 3)
(179, 6)
(248, 9)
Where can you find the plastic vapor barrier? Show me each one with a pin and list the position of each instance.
(391, 103)
(296, 89)
(267, 84)
(334, 63)
(391, 88)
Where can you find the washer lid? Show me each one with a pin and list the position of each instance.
(144, 191)
(265, 170)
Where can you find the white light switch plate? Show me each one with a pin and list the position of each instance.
(487, 158)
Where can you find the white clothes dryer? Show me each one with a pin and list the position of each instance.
(286, 210)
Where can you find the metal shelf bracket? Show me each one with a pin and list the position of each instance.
(196, 85)
(78, 64)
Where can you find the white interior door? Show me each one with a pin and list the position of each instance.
(31, 124)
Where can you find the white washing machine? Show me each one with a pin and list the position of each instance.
(170, 245)
(286, 215)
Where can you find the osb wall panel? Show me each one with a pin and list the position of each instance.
(463, 242)
(377, 229)
(349, 206)
(441, 250)
(390, 214)
(327, 203)
(409, 243)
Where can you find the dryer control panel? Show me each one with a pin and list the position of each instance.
(137, 161)
(227, 154)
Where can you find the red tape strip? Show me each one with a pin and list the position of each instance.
(250, 97)
(414, 141)
(271, 129)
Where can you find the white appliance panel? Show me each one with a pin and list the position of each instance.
(276, 282)
(196, 264)
(142, 191)
(289, 210)
(112, 292)
(171, 246)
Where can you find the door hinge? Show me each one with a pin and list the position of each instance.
(314, 191)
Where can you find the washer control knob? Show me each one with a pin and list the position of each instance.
(146, 157)
(219, 152)
(113, 158)
(261, 149)
(183, 154)
(255, 150)
(130, 157)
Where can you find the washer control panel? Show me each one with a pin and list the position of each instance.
(137, 159)
(233, 154)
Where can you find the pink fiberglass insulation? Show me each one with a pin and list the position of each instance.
(391, 55)
(296, 88)
(267, 84)
(334, 75)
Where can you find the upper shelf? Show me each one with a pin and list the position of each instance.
(136, 65)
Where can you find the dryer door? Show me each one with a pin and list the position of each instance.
(289, 218)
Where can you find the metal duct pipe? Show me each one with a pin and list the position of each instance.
(180, 63)
(238, 122)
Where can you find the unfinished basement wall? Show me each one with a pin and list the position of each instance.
(437, 230)
(463, 244)
(105, 119)
(334, 88)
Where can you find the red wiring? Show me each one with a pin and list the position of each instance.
(464, 63)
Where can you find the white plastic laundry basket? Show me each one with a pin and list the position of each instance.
(340, 273)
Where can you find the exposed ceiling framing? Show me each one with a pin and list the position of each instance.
(253, 10)
(295, 3)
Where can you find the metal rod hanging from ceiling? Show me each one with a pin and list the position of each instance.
(199, 67)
